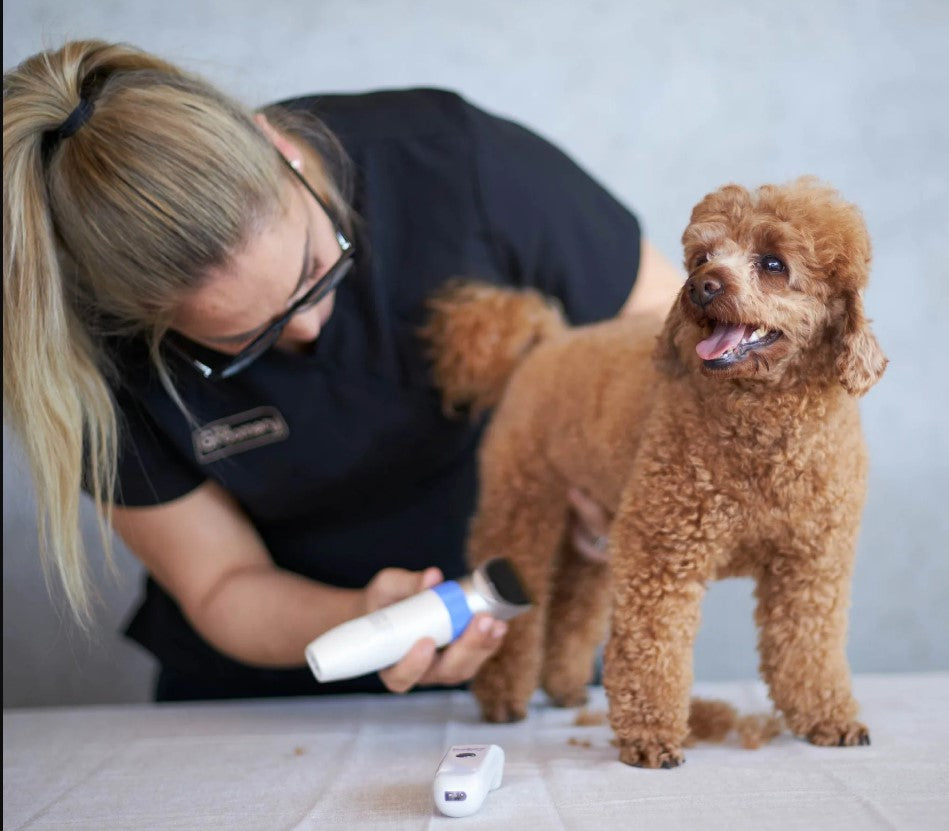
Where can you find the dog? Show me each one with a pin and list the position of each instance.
(725, 438)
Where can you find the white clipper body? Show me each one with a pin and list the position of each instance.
(465, 776)
(380, 639)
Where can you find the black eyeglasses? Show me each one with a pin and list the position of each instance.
(266, 339)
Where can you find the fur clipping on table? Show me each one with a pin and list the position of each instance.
(710, 720)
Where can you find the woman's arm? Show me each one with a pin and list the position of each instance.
(207, 555)
(657, 283)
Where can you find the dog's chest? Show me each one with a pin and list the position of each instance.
(767, 460)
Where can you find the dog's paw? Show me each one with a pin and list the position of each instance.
(649, 753)
(569, 698)
(835, 734)
(502, 712)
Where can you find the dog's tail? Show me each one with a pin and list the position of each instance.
(478, 333)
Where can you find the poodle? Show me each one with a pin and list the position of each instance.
(726, 439)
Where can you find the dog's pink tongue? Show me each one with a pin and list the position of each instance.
(726, 336)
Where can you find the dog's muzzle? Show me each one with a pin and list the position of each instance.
(703, 289)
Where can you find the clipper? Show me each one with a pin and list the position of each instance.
(465, 776)
(381, 638)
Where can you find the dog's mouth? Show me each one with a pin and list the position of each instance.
(731, 343)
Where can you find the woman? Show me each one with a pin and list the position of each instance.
(210, 322)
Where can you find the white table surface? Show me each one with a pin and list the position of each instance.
(367, 762)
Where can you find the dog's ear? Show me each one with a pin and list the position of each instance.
(666, 354)
(860, 361)
(728, 205)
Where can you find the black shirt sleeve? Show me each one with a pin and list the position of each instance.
(151, 470)
(553, 226)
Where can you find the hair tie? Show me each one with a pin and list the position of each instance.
(75, 120)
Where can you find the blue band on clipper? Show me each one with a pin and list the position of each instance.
(453, 596)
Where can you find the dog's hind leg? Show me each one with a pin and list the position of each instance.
(576, 626)
(521, 516)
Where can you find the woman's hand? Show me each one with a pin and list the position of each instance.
(424, 664)
(590, 529)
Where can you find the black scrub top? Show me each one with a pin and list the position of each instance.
(341, 456)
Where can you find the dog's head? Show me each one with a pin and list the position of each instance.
(774, 289)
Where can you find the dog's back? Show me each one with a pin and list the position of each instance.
(581, 399)
(577, 396)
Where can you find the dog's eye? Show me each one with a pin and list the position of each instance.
(700, 259)
(771, 263)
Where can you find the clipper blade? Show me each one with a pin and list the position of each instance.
(507, 582)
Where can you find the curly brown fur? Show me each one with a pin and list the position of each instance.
(711, 720)
(476, 336)
(736, 450)
(756, 729)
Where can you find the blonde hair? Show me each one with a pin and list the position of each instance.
(104, 233)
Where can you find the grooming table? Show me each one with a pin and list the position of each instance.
(366, 762)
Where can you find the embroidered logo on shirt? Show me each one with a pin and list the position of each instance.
(237, 433)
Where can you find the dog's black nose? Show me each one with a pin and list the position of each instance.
(702, 290)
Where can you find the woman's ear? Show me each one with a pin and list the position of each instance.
(861, 361)
(285, 146)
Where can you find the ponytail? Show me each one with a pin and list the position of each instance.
(125, 181)
(55, 395)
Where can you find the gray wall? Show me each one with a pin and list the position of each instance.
(662, 102)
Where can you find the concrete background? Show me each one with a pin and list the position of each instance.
(662, 102)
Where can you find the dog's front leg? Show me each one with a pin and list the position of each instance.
(803, 597)
(657, 595)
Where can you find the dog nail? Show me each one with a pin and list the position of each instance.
(484, 625)
(500, 627)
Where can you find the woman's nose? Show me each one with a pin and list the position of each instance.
(304, 326)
